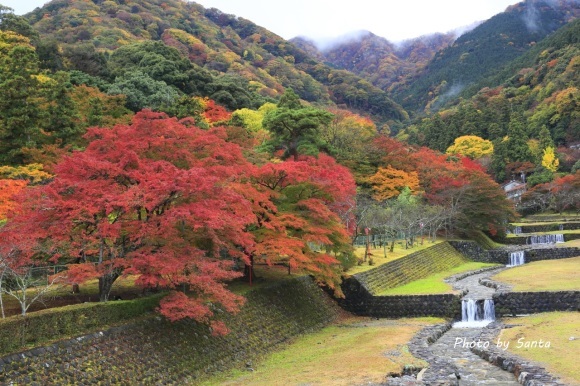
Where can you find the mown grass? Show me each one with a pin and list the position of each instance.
(353, 352)
(561, 329)
(545, 275)
(378, 255)
(434, 284)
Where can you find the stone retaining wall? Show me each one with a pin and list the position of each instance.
(549, 227)
(156, 352)
(538, 254)
(518, 303)
(404, 306)
(523, 240)
(475, 252)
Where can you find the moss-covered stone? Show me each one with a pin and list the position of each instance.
(154, 351)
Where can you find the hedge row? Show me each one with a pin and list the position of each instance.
(17, 332)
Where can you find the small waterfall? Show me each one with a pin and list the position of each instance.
(545, 239)
(517, 230)
(476, 313)
(488, 310)
(517, 258)
(561, 227)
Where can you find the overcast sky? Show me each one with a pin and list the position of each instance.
(393, 19)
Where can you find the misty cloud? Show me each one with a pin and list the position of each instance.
(452, 92)
(328, 43)
(531, 18)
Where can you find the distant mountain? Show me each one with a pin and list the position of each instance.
(375, 58)
(218, 44)
(483, 51)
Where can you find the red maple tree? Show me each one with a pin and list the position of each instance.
(177, 206)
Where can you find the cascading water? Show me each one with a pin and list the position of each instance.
(488, 310)
(517, 230)
(561, 227)
(545, 239)
(516, 258)
(476, 313)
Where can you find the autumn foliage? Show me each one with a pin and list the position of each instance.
(8, 189)
(178, 206)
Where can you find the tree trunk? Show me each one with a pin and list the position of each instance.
(105, 284)
(249, 275)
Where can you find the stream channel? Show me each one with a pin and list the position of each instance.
(451, 362)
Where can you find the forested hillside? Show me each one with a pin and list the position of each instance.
(250, 64)
(538, 104)
(482, 52)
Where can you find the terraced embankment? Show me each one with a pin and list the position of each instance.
(154, 351)
(361, 288)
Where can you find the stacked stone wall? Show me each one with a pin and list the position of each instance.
(519, 303)
(154, 351)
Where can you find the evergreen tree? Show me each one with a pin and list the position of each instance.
(517, 146)
(20, 91)
(545, 138)
(294, 127)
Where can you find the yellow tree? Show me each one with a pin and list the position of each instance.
(549, 160)
(389, 182)
(471, 146)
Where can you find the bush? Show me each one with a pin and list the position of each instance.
(540, 178)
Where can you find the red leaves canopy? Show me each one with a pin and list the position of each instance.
(175, 205)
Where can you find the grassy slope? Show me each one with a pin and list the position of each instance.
(556, 327)
(379, 253)
(546, 275)
(334, 355)
(434, 284)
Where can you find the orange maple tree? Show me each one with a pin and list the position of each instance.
(8, 189)
(388, 182)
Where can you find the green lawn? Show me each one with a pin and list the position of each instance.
(434, 284)
(353, 352)
(561, 329)
(545, 275)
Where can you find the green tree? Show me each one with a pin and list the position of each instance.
(143, 92)
(295, 128)
(545, 138)
(20, 97)
(62, 111)
(517, 146)
(11, 22)
(499, 159)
